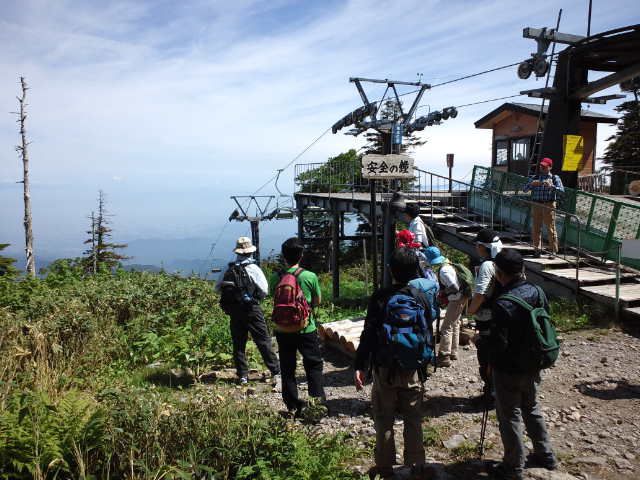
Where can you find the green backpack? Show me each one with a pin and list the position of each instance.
(465, 279)
(544, 348)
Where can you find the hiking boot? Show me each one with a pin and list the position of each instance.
(276, 383)
(539, 461)
(502, 472)
(443, 361)
(382, 473)
(453, 356)
(537, 254)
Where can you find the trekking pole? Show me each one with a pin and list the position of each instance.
(483, 429)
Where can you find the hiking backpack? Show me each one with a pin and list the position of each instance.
(543, 348)
(290, 307)
(465, 279)
(406, 337)
(237, 290)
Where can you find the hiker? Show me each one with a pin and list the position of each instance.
(296, 295)
(411, 215)
(426, 281)
(455, 289)
(242, 287)
(488, 245)
(515, 365)
(396, 344)
(544, 189)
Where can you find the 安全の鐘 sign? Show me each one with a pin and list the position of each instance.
(393, 166)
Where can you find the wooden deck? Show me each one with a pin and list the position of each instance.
(629, 293)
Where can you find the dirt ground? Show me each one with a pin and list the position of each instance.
(591, 401)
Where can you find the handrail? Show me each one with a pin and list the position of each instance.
(492, 192)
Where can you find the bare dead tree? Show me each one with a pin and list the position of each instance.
(22, 150)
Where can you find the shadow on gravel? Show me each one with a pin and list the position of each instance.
(609, 389)
(351, 407)
(437, 406)
(468, 469)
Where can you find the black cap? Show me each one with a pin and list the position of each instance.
(509, 261)
(412, 209)
(486, 235)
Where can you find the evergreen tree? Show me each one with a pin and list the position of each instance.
(102, 253)
(623, 153)
(6, 263)
(342, 172)
(378, 143)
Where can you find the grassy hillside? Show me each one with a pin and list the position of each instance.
(75, 400)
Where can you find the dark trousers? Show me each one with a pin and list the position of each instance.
(308, 345)
(243, 322)
(482, 351)
(517, 402)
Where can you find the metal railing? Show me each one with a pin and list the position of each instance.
(508, 210)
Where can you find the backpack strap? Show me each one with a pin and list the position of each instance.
(298, 271)
(541, 298)
(516, 300)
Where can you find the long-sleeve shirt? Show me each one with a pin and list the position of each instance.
(547, 192)
(449, 281)
(416, 226)
(255, 274)
(369, 342)
(510, 325)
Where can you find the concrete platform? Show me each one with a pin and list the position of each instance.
(629, 294)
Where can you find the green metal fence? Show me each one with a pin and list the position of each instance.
(606, 221)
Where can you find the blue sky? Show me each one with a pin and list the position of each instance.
(170, 107)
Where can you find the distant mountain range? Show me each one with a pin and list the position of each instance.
(185, 256)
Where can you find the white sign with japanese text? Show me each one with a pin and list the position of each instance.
(387, 166)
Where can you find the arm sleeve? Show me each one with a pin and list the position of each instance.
(421, 233)
(558, 183)
(314, 287)
(450, 282)
(499, 333)
(257, 275)
(484, 278)
(369, 335)
(527, 186)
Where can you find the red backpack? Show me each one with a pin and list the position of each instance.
(290, 307)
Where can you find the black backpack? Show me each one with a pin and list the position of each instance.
(237, 290)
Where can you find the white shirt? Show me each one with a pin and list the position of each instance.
(416, 226)
(485, 285)
(449, 280)
(255, 274)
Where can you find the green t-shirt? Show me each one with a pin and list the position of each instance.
(310, 286)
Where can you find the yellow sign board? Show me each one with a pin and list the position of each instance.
(573, 147)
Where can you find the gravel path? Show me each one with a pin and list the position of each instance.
(591, 400)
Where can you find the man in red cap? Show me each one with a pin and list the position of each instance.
(544, 189)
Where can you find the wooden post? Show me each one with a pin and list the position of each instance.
(373, 218)
(22, 149)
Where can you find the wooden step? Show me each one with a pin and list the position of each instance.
(588, 275)
(546, 263)
(629, 294)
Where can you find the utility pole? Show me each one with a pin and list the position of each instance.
(22, 149)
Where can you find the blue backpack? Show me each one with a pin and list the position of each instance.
(405, 333)
(429, 287)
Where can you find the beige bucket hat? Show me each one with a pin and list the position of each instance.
(244, 246)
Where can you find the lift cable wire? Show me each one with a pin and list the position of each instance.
(317, 139)
(273, 178)
(293, 160)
